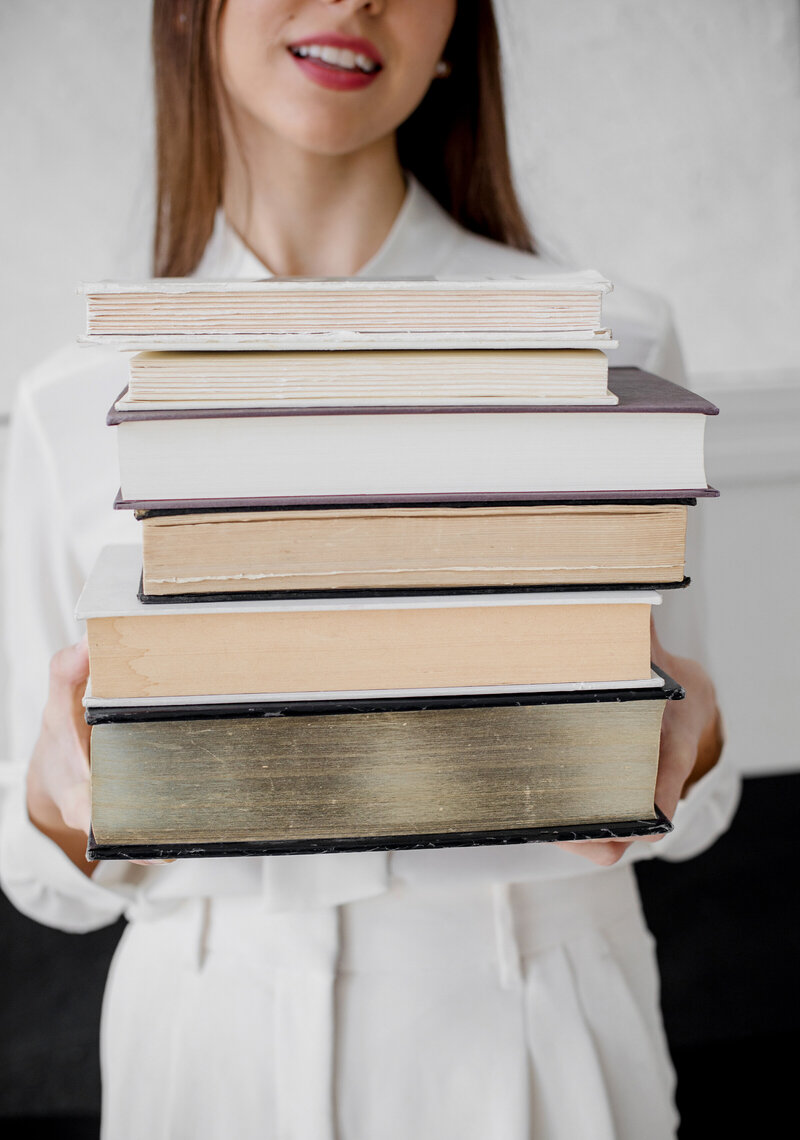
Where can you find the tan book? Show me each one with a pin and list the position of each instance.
(355, 779)
(185, 380)
(331, 645)
(227, 552)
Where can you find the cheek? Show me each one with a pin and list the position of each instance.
(420, 33)
(250, 46)
(424, 25)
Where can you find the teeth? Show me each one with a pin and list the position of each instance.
(337, 57)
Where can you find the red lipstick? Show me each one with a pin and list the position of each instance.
(352, 64)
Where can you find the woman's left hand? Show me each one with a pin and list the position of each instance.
(691, 744)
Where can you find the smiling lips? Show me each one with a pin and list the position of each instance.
(341, 63)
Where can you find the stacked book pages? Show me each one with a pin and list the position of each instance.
(401, 544)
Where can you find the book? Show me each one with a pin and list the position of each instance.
(371, 777)
(650, 441)
(347, 644)
(296, 312)
(366, 379)
(202, 554)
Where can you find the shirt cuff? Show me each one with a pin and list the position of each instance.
(42, 882)
(702, 816)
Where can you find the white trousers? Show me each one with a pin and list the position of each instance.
(479, 1013)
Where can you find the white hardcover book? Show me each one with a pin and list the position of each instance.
(651, 440)
(307, 457)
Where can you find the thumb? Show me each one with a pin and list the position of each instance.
(76, 806)
(70, 667)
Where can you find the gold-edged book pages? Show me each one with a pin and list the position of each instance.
(373, 774)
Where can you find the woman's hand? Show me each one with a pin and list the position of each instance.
(59, 790)
(691, 744)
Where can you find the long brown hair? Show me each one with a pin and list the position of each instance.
(454, 142)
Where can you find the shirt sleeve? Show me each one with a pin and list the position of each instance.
(706, 811)
(701, 817)
(680, 619)
(42, 580)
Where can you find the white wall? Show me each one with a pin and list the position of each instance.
(657, 141)
(75, 176)
(661, 142)
(750, 567)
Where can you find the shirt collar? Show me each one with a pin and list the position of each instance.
(421, 239)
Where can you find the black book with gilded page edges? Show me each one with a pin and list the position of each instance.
(269, 778)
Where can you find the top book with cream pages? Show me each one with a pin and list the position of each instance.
(561, 310)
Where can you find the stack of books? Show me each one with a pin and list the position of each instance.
(401, 543)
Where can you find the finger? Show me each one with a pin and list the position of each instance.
(63, 713)
(150, 862)
(65, 776)
(674, 765)
(603, 852)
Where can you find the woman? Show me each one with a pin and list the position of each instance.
(503, 992)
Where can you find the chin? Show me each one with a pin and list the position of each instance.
(331, 134)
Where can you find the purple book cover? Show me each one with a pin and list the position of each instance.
(636, 390)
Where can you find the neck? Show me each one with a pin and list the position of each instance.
(313, 215)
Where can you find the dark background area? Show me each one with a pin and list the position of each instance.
(729, 946)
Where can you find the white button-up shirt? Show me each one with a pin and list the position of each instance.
(62, 478)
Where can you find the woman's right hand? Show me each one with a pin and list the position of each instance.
(59, 789)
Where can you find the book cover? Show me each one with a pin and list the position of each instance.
(664, 688)
(637, 391)
(561, 833)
